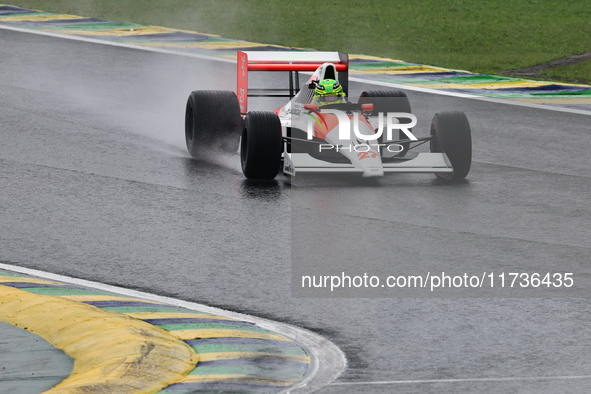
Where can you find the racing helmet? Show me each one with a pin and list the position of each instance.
(328, 91)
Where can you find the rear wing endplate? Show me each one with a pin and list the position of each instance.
(292, 61)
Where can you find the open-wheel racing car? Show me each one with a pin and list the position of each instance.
(319, 129)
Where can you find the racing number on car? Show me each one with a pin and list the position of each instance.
(367, 155)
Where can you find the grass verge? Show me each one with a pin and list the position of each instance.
(578, 73)
(480, 36)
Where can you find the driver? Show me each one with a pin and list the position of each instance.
(328, 91)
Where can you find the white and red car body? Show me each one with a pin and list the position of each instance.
(361, 156)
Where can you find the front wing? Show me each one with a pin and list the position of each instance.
(295, 163)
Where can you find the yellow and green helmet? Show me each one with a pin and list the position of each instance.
(328, 87)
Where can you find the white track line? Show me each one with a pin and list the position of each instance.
(475, 97)
(507, 379)
(361, 80)
(116, 44)
(327, 361)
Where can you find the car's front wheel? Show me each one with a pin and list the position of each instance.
(454, 138)
(261, 145)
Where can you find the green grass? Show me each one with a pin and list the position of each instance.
(477, 35)
(579, 72)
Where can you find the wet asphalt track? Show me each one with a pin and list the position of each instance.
(95, 183)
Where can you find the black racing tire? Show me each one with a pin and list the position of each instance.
(454, 138)
(212, 122)
(261, 145)
(398, 103)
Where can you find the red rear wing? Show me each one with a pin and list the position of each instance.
(286, 61)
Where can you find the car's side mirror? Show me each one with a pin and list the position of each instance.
(312, 85)
(367, 108)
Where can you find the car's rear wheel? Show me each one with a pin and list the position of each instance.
(389, 101)
(212, 122)
(261, 145)
(454, 138)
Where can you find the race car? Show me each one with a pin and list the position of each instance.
(320, 130)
